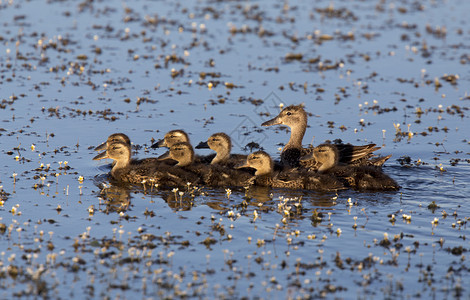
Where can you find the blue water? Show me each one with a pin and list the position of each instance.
(62, 95)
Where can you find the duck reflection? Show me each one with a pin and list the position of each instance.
(259, 196)
(114, 198)
(3, 194)
(178, 201)
(268, 199)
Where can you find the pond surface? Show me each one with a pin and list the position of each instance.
(394, 73)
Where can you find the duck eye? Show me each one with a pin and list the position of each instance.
(289, 113)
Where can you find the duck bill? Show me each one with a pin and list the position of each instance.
(203, 145)
(159, 144)
(102, 155)
(164, 156)
(307, 157)
(275, 121)
(101, 147)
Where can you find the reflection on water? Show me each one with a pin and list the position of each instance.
(114, 198)
(3, 194)
(390, 73)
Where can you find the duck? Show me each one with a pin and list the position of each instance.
(123, 138)
(221, 143)
(181, 152)
(358, 177)
(211, 175)
(346, 154)
(180, 136)
(295, 117)
(123, 169)
(148, 170)
(293, 179)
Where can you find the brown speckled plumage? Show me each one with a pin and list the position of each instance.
(291, 179)
(127, 170)
(209, 175)
(363, 177)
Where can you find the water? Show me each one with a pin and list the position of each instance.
(74, 72)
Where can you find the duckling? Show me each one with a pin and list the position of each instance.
(222, 145)
(295, 117)
(181, 152)
(115, 137)
(121, 137)
(180, 136)
(346, 154)
(211, 175)
(293, 179)
(172, 137)
(123, 169)
(361, 177)
(149, 170)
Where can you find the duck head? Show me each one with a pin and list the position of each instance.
(171, 138)
(115, 137)
(260, 161)
(119, 152)
(292, 116)
(295, 117)
(183, 153)
(220, 143)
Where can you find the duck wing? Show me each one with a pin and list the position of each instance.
(378, 161)
(349, 153)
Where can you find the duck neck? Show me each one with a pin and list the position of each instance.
(120, 164)
(221, 156)
(265, 170)
(185, 161)
(297, 133)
